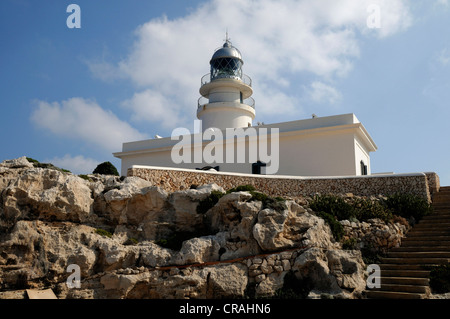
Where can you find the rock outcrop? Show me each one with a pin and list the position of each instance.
(131, 239)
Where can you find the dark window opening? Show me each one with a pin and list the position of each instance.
(256, 167)
(363, 168)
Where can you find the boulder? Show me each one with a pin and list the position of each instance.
(47, 194)
(198, 250)
(20, 162)
(334, 272)
(292, 227)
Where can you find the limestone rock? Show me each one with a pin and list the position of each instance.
(226, 281)
(289, 228)
(198, 250)
(47, 194)
(110, 226)
(20, 162)
(336, 272)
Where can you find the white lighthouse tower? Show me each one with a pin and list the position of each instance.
(226, 92)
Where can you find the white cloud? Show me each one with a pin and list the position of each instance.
(154, 107)
(278, 39)
(76, 164)
(320, 92)
(85, 120)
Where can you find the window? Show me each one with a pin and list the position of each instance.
(256, 167)
(363, 168)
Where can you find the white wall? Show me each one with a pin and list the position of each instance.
(332, 146)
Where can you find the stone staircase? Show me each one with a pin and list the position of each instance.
(403, 271)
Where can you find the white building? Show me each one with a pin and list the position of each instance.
(321, 146)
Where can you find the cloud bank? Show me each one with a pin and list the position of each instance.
(280, 41)
(82, 119)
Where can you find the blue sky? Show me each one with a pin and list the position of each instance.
(133, 69)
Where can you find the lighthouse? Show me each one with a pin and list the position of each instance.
(337, 145)
(226, 92)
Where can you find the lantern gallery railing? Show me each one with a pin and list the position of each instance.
(245, 78)
(203, 101)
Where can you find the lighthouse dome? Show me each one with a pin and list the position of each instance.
(227, 51)
(226, 62)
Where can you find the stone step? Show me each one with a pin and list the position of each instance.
(442, 214)
(416, 261)
(421, 248)
(405, 273)
(428, 233)
(437, 215)
(402, 288)
(431, 225)
(404, 281)
(419, 254)
(441, 198)
(440, 207)
(401, 267)
(414, 242)
(427, 238)
(377, 294)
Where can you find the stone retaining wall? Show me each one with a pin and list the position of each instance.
(172, 180)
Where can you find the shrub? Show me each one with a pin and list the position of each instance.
(209, 202)
(131, 241)
(440, 279)
(361, 209)
(106, 168)
(336, 228)
(32, 160)
(242, 188)
(407, 205)
(333, 205)
(85, 177)
(366, 209)
(103, 232)
(38, 164)
(371, 255)
(350, 244)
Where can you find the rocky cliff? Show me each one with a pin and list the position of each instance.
(131, 239)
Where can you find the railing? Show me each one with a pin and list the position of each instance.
(245, 79)
(203, 101)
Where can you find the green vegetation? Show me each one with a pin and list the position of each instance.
(276, 203)
(103, 232)
(350, 244)
(336, 228)
(106, 168)
(209, 202)
(407, 205)
(396, 207)
(32, 160)
(362, 209)
(333, 205)
(38, 164)
(242, 188)
(85, 177)
(131, 241)
(440, 279)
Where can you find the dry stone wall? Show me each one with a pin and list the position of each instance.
(178, 179)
